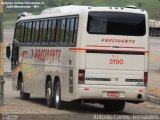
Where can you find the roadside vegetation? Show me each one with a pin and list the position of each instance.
(152, 6)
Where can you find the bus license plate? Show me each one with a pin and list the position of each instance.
(113, 94)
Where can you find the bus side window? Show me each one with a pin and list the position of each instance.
(53, 31)
(29, 32)
(17, 32)
(67, 29)
(49, 31)
(71, 31)
(62, 31)
(41, 31)
(45, 26)
(58, 27)
(36, 31)
(22, 32)
(33, 31)
(26, 32)
(75, 30)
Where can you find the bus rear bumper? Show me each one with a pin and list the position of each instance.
(126, 93)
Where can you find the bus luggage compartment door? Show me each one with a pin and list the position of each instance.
(114, 69)
(115, 61)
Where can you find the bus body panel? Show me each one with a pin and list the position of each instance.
(36, 70)
(114, 61)
(100, 92)
(112, 77)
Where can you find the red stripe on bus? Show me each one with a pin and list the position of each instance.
(77, 49)
(84, 49)
(115, 46)
(133, 47)
(99, 46)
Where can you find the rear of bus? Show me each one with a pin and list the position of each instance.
(114, 65)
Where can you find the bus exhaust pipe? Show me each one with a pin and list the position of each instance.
(139, 96)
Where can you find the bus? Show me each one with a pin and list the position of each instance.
(82, 54)
(154, 28)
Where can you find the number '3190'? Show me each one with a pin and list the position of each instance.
(116, 61)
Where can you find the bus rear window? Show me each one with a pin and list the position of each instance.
(116, 23)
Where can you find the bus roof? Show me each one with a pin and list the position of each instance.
(75, 9)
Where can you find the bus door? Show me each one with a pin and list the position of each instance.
(15, 56)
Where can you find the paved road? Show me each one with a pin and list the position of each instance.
(36, 109)
(14, 105)
(155, 44)
(8, 37)
(154, 54)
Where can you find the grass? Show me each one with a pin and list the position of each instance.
(152, 6)
(9, 20)
(9, 24)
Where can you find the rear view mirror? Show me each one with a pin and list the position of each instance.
(8, 52)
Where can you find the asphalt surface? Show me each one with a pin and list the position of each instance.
(154, 52)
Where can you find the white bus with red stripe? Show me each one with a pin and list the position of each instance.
(82, 53)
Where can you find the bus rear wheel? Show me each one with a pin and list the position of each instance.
(48, 93)
(57, 96)
(23, 95)
(114, 105)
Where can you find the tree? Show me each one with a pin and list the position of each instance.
(140, 4)
(87, 2)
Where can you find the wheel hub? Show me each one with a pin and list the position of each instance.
(57, 95)
(48, 93)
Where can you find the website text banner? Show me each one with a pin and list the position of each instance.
(80, 117)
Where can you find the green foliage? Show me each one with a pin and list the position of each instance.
(152, 6)
(87, 2)
(140, 4)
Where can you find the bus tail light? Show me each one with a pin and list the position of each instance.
(145, 78)
(81, 76)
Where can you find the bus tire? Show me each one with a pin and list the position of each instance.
(23, 95)
(114, 105)
(57, 96)
(48, 93)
